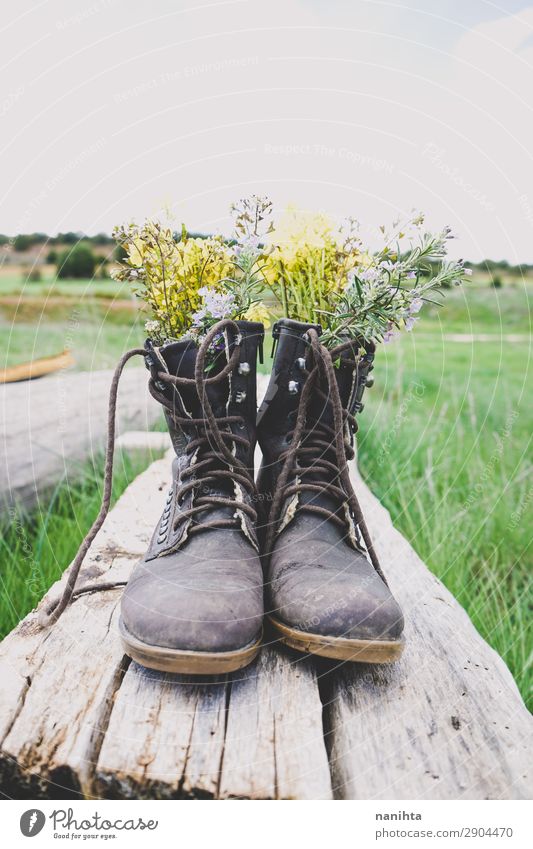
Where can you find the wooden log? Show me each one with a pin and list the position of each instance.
(61, 680)
(446, 721)
(37, 368)
(51, 426)
(141, 440)
(76, 718)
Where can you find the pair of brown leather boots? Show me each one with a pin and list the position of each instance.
(292, 546)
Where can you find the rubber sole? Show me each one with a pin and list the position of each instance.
(186, 662)
(339, 648)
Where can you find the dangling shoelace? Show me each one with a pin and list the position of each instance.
(209, 431)
(311, 445)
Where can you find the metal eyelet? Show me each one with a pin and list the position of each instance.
(240, 396)
(293, 387)
(369, 382)
(300, 362)
(244, 368)
(161, 539)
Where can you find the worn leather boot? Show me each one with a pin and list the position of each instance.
(195, 602)
(326, 592)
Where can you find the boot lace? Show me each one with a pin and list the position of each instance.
(211, 442)
(317, 458)
(215, 462)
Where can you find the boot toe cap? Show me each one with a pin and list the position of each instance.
(320, 600)
(183, 612)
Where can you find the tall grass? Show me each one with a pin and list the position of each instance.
(445, 445)
(36, 548)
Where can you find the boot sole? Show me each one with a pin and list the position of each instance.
(339, 648)
(187, 662)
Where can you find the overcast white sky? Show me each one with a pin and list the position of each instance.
(113, 109)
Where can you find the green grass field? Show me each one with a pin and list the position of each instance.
(444, 441)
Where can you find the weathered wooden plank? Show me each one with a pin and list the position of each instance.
(256, 734)
(54, 716)
(274, 746)
(447, 721)
(164, 739)
(51, 425)
(141, 440)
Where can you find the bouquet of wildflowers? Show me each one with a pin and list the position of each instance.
(188, 283)
(325, 274)
(309, 268)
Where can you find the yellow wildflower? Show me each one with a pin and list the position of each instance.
(299, 228)
(257, 312)
(135, 251)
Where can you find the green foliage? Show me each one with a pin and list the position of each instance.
(69, 238)
(22, 243)
(102, 271)
(496, 281)
(77, 263)
(120, 254)
(52, 256)
(102, 239)
(34, 275)
(25, 241)
(443, 444)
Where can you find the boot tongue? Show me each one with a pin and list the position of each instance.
(321, 409)
(180, 358)
(352, 367)
(321, 412)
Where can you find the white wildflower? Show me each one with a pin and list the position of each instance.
(215, 305)
(369, 275)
